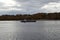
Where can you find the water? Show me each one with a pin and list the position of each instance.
(41, 30)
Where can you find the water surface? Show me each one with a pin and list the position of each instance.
(40, 30)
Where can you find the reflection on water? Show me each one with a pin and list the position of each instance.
(41, 30)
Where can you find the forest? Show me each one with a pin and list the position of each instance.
(36, 16)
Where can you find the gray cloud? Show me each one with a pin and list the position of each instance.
(32, 6)
(36, 1)
(27, 6)
(1, 4)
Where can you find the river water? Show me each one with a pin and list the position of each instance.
(40, 30)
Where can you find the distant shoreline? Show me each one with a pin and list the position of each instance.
(37, 16)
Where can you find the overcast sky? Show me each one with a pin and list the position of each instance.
(28, 6)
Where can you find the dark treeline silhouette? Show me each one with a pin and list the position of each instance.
(37, 16)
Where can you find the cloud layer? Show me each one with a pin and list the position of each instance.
(28, 6)
(51, 7)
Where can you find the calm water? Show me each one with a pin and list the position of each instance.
(41, 30)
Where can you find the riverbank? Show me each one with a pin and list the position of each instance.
(37, 16)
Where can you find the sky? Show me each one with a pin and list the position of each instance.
(28, 6)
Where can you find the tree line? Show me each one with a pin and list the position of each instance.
(36, 16)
